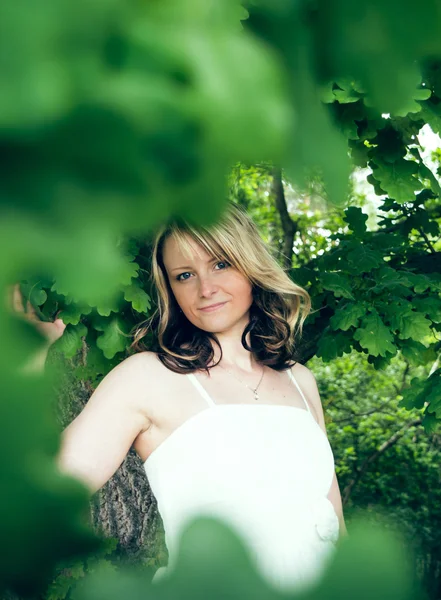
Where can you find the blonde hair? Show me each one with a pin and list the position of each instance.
(277, 313)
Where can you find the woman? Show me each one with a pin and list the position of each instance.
(220, 402)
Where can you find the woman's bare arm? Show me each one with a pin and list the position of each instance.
(95, 444)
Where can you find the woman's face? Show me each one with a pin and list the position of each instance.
(201, 281)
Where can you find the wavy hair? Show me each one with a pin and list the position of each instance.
(277, 313)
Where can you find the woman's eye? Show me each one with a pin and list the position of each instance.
(181, 277)
(178, 278)
(223, 262)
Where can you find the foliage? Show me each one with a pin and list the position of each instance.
(376, 291)
(386, 463)
(68, 575)
(200, 572)
(116, 115)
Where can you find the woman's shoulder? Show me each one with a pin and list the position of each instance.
(142, 357)
(308, 383)
(146, 362)
(150, 377)
(136, 369)
(302, 371)
(150, 369)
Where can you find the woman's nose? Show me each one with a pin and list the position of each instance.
(207, 286)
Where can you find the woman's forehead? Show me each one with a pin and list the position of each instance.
(184, 247)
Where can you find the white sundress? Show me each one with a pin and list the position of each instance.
(227, 460)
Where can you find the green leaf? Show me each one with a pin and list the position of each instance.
(387, 241)
(375, 184)
(303, 276)
(140, 300)
(431, 113)
(347, 316)
(33, 291)
(360, 153)
(422, 94)
(112, 305)
(426, 173)
(364, 259)
(394, 305)
(315, 129)
(226, 91)
(356, 220)
(412, 325)
(435, 282)
(380, 362)
(386, 277)
(345, 91)
(417, 354)
(398, 180)
(348, 117)
(390, 145)
(326, 93)
(129, 271)
(375, 337)
(419, 220)
(331, 346)
(430, 423)
(420, 282)
(433, 397)
(115, 338)
(430, 307)
(337, 283)
(71, 340)
(415, 395)
(132, 248)
(71, 314)
(413, 102)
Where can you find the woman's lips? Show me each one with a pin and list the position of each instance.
(213, 307)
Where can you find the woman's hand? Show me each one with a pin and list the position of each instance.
(52, 331)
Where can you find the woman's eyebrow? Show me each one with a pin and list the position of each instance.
(190, 267)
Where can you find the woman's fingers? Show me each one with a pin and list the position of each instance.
(14, 298)
(17, 304)
(51, 330)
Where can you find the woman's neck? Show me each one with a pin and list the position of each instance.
(234, 355)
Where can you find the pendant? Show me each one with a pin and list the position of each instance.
(256, 395)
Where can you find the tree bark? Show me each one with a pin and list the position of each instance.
(289, 226)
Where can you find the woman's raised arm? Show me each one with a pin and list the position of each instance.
(95, 444)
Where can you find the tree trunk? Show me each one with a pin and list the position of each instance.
(124, 508)
(289, 227)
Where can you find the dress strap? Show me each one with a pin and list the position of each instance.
(197, 384)
(298, 387)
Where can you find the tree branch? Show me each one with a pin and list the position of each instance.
(370, 459)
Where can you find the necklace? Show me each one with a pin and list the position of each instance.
(254, 390)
